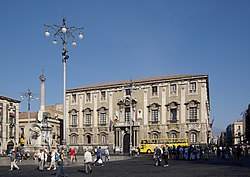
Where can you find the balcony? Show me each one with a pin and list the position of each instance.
(87, 125)
(192, 120)
(102, 124)
(174, 121)
(153, 122)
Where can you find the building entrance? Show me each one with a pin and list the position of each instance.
(126, 141)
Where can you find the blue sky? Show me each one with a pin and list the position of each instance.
(129, 39)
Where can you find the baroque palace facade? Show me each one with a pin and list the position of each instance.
(9, 123)
(162, 107)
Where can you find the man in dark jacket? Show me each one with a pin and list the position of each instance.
(165, 155)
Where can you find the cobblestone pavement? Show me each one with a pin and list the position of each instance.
(143, 166)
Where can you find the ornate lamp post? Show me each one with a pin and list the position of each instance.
(30, 96)
(65, 33)
(130, 88)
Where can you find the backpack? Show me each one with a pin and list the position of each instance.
(57, 156)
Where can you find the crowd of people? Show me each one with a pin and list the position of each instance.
(165, 152)
(227, 152)
(192, 152)
(54, 159)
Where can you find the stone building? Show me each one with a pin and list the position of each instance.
(246, 125)
(238, 132)
(9, 122)
(53, 118)
(169, 106)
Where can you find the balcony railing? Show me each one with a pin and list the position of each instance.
(154, 121)
(173, 121)
(192, 120)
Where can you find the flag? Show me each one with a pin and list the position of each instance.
(211, 124)
(116, 116)
(110, 125)
(243, 113)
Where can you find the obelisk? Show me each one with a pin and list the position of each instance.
(42, 98)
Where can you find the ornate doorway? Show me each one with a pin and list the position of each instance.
(126, 141)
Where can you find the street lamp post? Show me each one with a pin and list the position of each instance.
(65, 33)
(30, 96)
(130, 122)
(130, 87)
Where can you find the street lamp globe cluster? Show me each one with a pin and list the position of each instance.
(65, 33)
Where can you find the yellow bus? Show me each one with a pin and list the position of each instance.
(148, 145)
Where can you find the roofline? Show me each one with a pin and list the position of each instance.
(138, 81)
(9, 99)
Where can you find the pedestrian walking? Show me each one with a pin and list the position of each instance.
(41, 159)
(98, 157)
(87, 161)
(72, 154)
(106, 155)
(60, 170)
(165, 155)
(158, 156)
(18, 156)
(52, 160)
(13, 161)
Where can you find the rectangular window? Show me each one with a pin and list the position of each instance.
(103, 95)
(193, 114)
(192, 87)
(74, 98)
(103, 139)
(127, 114)
(1, 115)
(173, 115)
(154, 90)
(22, 132)
(74, 119)
(154, 115)
(88, 119)
(128, 92)
(102, 118)
(173, 88)
(88, 97)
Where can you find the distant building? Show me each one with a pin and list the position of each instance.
(54, 118)
(246, 125)
(229, 138)
(222, 140)
(9, 123)
(55, 107)
(234, 133)
(238, 132)
(162, 107)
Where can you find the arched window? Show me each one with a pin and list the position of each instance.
(193, 137)
(154, 135)
(102, 113)
(74, 139)
(154, 108)
(74, 117)
(103, 139)
(173, 108)
(87, 116)
(173, 135)
(193, 110)
(88, 138)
